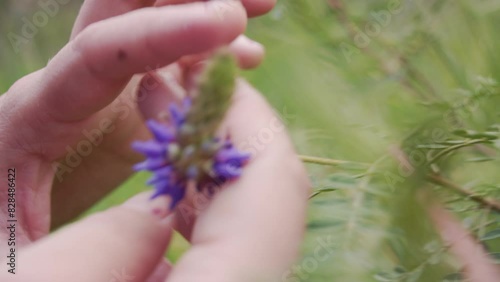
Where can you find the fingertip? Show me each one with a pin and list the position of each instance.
(231, 16)
(258, 7)
(248, 52)
(158, 207)
(253, 7)
(161, 272)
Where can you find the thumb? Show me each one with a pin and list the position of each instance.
(125, 243)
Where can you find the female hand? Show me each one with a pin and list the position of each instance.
(83, 92)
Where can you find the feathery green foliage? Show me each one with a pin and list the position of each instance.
(394, 100)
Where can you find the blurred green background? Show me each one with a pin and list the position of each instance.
(356, 81)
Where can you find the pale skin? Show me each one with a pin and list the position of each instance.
(252, 228)
(249, 231)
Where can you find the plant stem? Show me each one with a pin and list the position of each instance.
(321, 191)
(327, 161)
(455, 147)
(436, 179)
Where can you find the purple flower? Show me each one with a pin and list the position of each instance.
(175, 160)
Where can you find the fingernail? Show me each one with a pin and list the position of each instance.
(158, 207)
(247, 41)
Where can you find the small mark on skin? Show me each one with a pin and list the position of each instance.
(158, 212)
(122, 55)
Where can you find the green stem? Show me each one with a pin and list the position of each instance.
(436, 179)
(455, 147)
(327, 161)
(321, 191)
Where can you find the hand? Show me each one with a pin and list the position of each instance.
(76, 103)
(233, 238)
(250, 231)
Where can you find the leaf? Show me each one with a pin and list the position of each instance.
(352, 166)
(494, 128)
(387, 276)
(318, 224)
(480, 159)
(342, 181)
(453, 277)
(415, 275)
(463, 133)
(400, 269)
(489, 135)
(435, 259)
(452, 142)
(432, 247)
(432, 146)
(494, 234)
(321, 191)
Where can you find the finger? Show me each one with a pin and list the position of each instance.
(258, 7)
(234, 233)
(93, 11)
(195, 203)
(170, 81)
(161, 272)
(89, 72)
(249, 54)
(477, 265)
(128, 240)
(253, 7)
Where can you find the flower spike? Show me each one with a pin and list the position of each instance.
(188, 150)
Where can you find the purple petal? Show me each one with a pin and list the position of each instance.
(164, 171)
(176, 114)
(161, 188)
(227, 170)
(150, 164)
(149, 148)
(160, 131)
(155, 179)
(232, 155)
(186, 103)
(159, 175)
(227, 144)
(177, 193)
